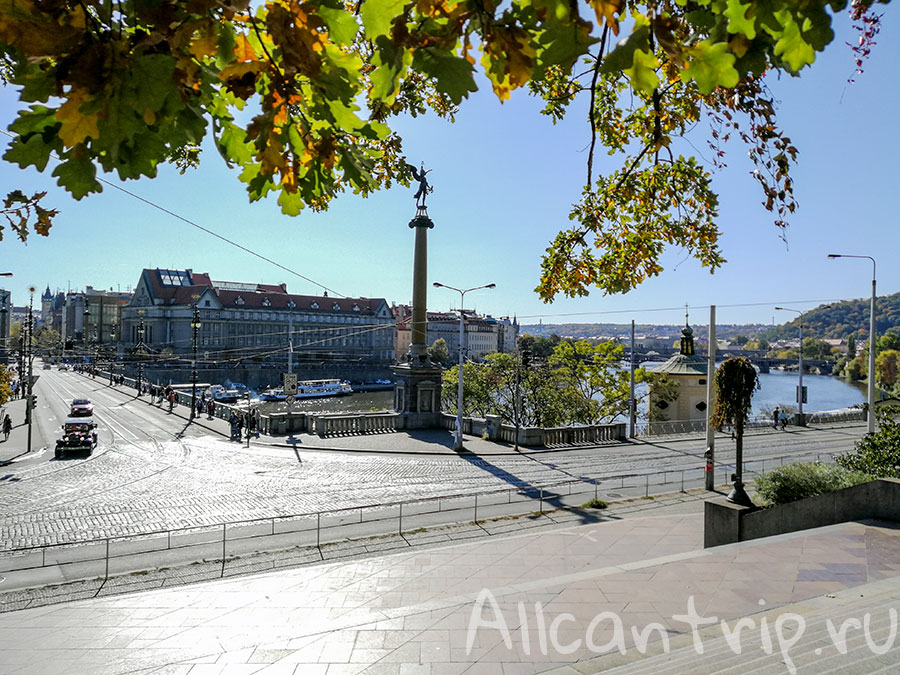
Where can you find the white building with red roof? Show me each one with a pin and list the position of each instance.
(254, 323)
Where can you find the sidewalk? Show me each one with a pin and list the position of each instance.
(526, 603)
(17, 445)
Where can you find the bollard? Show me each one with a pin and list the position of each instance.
(318, 529)
(106, 573)
(646, 484)
(400, 527)
(682, 480)
(476, 509)
(223, 549)
(542, 501)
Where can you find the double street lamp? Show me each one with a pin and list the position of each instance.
(870, 417)
(139, 348)
(458, 441)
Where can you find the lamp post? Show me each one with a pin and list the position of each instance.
(800, 386)
(140, 349)
(870, 416)
(195, 329)
(459, 387)
(29, 401)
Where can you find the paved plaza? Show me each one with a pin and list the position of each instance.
(623, 595)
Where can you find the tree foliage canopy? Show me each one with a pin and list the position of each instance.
(300, 95)
(878, 454)
(579, 383)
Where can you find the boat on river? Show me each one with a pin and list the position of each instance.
(311, 389)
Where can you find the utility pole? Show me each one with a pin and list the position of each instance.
(710, 402)
(195, 329)
(632, 405)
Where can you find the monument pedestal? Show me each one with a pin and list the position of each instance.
(417, 395)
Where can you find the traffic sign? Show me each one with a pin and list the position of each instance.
(290, 384)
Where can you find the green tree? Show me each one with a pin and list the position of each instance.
(886, 342)
(438, 352)
(886, 368)
(878, 453)
(46, 338)
(851, 347)
(5, 385)
(740, 339)
(814, 348)
(300, 97)
(735, 382)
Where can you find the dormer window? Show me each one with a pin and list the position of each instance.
(239, 300)
(315, 305)
(336, 307)
(291, 304)
(355, 307)
(266, 302)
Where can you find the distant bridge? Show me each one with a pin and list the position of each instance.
(757, 358)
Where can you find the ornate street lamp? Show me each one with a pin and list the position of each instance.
(139, 348)
(195, 329)
(458, 442)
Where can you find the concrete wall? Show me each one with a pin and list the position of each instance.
(726, 523)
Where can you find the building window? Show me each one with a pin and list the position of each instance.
(239, 300)
(206, 303)
(336, 307)
(266, 302)
(315, 305)
(701, 381)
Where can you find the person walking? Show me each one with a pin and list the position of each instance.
(776, 417)
(783, 419)
(7, 427)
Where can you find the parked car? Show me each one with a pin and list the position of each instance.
(47, 366)
(78, 436)
(63, 367)
(81, 407)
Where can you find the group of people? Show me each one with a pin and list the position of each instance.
(239, 420)
(779, 418)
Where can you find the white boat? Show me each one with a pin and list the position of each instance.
(221, 395)
(320, 388)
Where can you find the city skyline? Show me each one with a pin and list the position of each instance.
(504, 179)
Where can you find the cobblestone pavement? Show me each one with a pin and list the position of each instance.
(153, 472)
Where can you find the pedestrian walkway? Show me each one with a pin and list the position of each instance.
(16, 447)
(631, 594)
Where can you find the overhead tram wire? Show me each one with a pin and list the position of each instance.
(204, 229)
(680, 308)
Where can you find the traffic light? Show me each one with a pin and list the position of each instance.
(526, 357)
(33, 401)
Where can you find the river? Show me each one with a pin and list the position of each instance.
(824, 392)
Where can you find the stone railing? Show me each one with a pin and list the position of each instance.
(352, 425)
(492, 429)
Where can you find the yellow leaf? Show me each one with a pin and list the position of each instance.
(606, 11)
(76, 126)
(203, 47)
(149, 117)
(239, 69)
(243, 50)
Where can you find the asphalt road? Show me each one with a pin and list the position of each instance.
(152, 471)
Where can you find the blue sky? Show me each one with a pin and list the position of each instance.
(505, 178)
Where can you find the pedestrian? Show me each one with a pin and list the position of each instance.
(783, 419)
(211, 408)
(7, 427)
(776, 417)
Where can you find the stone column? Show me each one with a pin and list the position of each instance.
(417, 383)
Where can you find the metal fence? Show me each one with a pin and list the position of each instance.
(332, 533)
(679, 427)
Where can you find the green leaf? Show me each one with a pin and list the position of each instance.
(622, 56)
(342, 26)
(226, 44)
(78, 176)
(291, 203)
(643, 72)
(711, 65)
(378, 14)
(344, 116)
(36, 119)
(33, 152)
(736, 12)
(792, 47)
(453, 74)
(154, 81)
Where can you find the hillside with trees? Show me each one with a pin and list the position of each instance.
(838, 320)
